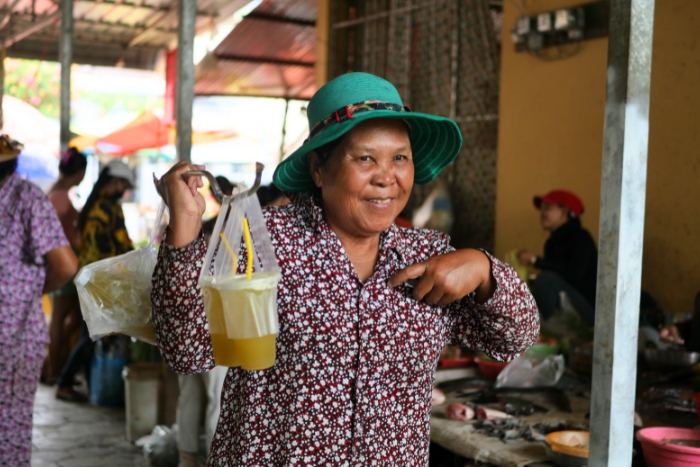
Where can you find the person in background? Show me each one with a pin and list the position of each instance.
(200, 390)
(570, 261)
(65, 309)
(35, 258)
(271, 195)
(103, 235)
(686, 333)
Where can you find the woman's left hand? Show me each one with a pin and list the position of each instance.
(450, 277)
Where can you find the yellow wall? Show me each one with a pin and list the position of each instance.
(551, 136)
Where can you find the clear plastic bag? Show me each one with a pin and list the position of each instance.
(160, 447)
(115, 293)
(532, 371)
(241, 309)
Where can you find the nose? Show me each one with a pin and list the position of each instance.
(384, 176)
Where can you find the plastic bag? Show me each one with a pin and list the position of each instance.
(115, 293)
(531, 371)
(241, 307)
(160, 447)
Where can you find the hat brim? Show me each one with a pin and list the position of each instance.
(9, 157)
(435, 143)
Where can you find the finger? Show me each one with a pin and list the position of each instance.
(434, 296)
(447, 299)
(423, 288)
(410, 272)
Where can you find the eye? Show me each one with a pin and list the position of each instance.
(364, 158)
(400, 157)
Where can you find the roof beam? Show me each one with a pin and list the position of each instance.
(18, 36)
(264, 60)
(281, 19)
(143, 6)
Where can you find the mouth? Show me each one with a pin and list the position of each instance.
(380, 202)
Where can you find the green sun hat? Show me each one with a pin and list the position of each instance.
(353, 98)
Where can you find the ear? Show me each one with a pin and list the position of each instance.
(314, 163)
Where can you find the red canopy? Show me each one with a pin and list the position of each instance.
(147, 131)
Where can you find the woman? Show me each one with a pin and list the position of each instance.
(570, 262)
(103, 235)
(357, 346)
(34, 258)
(65, 310)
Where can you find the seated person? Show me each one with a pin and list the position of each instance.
(686, 333)
(570, 259)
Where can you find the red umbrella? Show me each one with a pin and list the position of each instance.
(147, 131)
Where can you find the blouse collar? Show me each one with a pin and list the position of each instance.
(390, 239)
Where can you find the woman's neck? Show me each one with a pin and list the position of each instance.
(363, 252)
(62, 184)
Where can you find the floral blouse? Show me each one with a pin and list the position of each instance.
(355, 361)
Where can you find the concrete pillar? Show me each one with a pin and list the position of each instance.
(184, 82)
(65, 57)
(623, 193)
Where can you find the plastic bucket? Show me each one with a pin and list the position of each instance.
(142, 385)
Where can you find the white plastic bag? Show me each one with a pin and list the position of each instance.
(531, 371)
(115, 293)
(239, 307)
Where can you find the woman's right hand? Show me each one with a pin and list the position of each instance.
(186, 204)
(669, 334)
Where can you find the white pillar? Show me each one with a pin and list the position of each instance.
(621, 238)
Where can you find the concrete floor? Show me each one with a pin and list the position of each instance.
(80, 435)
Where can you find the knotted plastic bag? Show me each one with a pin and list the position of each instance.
(115, 293)
(241, 308)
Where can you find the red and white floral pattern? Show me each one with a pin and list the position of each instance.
(355, 362)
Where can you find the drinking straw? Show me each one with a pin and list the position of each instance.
(249, 265)
(249, 247)
(234, 260)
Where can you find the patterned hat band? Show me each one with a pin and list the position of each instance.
(346, 113)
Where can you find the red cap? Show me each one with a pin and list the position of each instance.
(563, 197)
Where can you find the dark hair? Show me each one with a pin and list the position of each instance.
(225, 185)
(269, 194)
(7, 168)
(324, 154)
(72, 162)
(101, 182)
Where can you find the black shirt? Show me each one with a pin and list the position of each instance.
(571, 252)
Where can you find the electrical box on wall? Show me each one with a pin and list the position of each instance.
(563, 26)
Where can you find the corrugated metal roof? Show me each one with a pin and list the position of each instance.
(271, 53)
(127, 24)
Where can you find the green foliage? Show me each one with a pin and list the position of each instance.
(35, 82)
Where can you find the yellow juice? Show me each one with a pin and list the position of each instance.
(222, 347)
(224, 351)
(250, 312)
(257, 353)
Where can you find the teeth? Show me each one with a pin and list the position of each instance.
(381, 201)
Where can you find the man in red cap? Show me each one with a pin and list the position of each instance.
(570, 259)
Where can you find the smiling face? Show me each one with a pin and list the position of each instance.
(367, 181)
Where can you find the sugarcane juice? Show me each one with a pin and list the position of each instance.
(223, 348)
(250, 308)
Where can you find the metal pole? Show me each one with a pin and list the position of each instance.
(284, 128)
(65, 56)
(184, 82)
(623, 192)
(2, 85)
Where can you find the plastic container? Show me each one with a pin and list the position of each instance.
(143, 383)
(106, 386)
(456, 362)
(670, 447)
(569, 442)
(223, 348)
(544, 349)
(488, 367)
(250, 313)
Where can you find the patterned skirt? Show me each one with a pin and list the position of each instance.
(19, 378)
